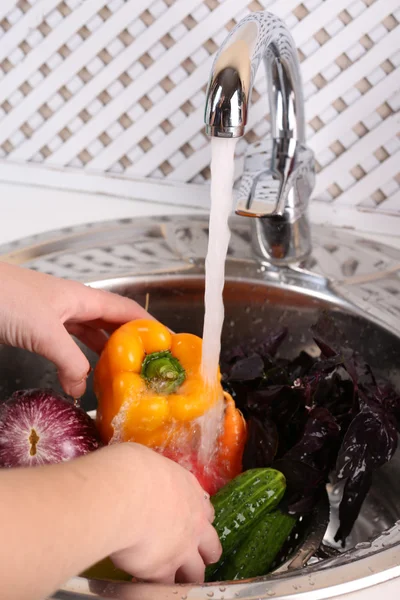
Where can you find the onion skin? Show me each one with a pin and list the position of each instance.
(39, 427)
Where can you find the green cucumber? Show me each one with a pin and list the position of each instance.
(255, 556)
(242, 502)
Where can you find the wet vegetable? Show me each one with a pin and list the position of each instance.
(256, 554)
(227, 460)
(315, 418)
(240, 504)
(40, 427)
(150, 390)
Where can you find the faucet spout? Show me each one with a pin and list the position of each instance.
(260, 36)
(278, 173)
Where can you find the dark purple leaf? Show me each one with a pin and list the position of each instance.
(321, 428)
(326, 331)
(261, 445)
(326, 350)
(337, 394)
(270, 345)
(360, 373)
(354, 494)
(277, 376)
(326, 365)
(247, 369)
(390, 401)
(284, 405)
(303, 482)
(239, 391)
(282, 402)
(370, 442)
(267, 348)
(315, 419)
(301, 365)
(306, 503)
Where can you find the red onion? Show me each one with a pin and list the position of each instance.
(40, 427)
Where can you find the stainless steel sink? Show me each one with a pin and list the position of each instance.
(163, 259)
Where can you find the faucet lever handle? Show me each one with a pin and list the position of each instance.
(258, 194)
(274, 171)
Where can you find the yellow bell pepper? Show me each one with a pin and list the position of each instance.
(147, 379)
(150, 390)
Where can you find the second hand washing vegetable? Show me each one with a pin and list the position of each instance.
(150, 390)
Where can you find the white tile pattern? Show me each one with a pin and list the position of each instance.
(118, 87)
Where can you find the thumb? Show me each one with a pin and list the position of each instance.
(72, 365)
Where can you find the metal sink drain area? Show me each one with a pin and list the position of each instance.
(357, 282)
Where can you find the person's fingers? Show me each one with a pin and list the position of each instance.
(154, 573)
(104, 325)
(192, 571)
(95, 339)
(165, 577)
(89, 304)
(210, 548)
(55, 344)
(210, 512)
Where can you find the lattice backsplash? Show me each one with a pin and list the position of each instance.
(120, 87)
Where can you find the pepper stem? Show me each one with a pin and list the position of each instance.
(163, 372)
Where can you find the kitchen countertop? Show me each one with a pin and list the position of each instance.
(29, 210)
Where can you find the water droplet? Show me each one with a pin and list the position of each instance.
(386, 532)
(222, 589)
(184, 597)
(210, 594)
(363, 545)
(270, 593)
(311, 582)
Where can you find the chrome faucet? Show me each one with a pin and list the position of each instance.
(278, 175)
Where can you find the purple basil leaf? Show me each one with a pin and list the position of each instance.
(326, 331)
(370, 442)
(337, 394)
(390, 400)
(303, 480)
(314, 419)
(277, 376)
(281, 402)
(326, 350)
(270, 345)
(284, 405)
(321, 428)
(261, 445)
(306, 503)
(359, 371)
(267, 348)
(326, 365)
(300, 366)
(354, 493)
(247, 369)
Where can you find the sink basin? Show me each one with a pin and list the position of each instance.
(161, 261)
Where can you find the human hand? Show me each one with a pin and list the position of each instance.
(171, 539)
(39, 311)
